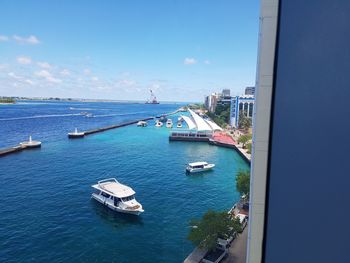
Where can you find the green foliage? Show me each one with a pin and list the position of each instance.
(7, 100)
(249, 147)
(221, 116)
(205, 232)
(244, 139)
(243, 182)
(244, 122)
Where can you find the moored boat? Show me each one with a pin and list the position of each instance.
(76, 134)
(199, 167)
(142, 124)
(116, 196)
(159, 123)
(30, 143)
(169, 123)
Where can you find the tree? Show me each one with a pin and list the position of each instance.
(249, 147)
(244, 139)
(206, 231)
(244, 122)
(243, 182)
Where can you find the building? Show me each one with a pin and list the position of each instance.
(299, 199)
(226, 93)
(249, 91)
(211, 102)
(240, 104)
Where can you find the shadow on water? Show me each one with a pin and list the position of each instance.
(199, 174)
(113, 218)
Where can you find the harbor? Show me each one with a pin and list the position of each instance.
(68, 168)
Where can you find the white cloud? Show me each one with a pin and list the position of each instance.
(207, 62)
(126, 82)
(13, 75)
(47, 75)
(31, 40)
(87, 71)
(3, 66)
(30, 82)
(190, 61)
(44, 65)
(94, 78)
(24, 60)
(3, 38)
(65, 72)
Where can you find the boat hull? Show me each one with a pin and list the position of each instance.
(102, 200)
(73, 135)
(199, 170)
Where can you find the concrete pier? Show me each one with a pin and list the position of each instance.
(115, 126)
(14, 149)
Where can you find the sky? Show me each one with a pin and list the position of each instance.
(120, 49)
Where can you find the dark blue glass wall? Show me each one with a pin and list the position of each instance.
(308, 202)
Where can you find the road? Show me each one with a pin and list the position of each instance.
(238, 249)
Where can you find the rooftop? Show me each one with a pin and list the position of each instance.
(114, 188)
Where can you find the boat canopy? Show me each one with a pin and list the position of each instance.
(197, 163)
(191, 125)
(213, 125)
(113, 187)
(202, 125)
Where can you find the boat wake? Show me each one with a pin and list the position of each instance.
(120, 114)
(41, 116)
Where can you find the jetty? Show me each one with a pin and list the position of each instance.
(115, 126)
(88, 132)
(20, 147)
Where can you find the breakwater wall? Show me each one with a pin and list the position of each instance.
(115, 126)
(14, 149)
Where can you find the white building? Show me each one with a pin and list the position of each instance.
(243, 103)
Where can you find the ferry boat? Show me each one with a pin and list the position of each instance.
(116, 196)
(30, 143)
(199, 167)
(179, 125)
(159, 124)
(169, 123)
(76, 134)
(142, 124)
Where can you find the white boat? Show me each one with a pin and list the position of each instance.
(179, 125)
(159, 124)
(76, 134)
(169, 123)
(116, 196)
(199, 167)
(30, 143)
(142, 124)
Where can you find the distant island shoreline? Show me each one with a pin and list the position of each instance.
(12, 100)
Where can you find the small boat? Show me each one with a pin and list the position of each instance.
(199, 167)
(142, 124)
(76, 134)
(116, 196)
(179, 125)
(30, 143)
(159, 124)
(169, 123)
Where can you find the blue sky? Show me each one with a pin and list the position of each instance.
(120, 49)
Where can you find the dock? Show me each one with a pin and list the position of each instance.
(115, 126)
(14, 149)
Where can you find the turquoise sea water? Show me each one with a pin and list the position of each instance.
(46, 210)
